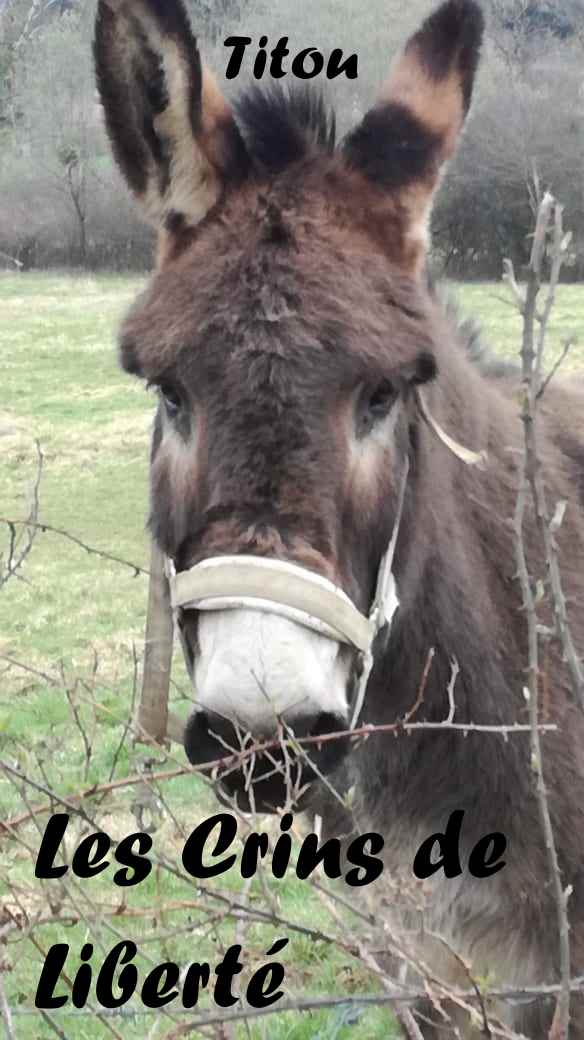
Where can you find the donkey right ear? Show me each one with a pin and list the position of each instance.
(172, 133)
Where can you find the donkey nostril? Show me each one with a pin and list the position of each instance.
(208, 737)
(327, 722)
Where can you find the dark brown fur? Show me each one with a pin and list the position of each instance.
(298, 287)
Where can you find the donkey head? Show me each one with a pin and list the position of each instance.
(285, 329)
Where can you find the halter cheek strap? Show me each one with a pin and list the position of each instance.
(385, 601)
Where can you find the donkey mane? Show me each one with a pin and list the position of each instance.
(471, 336)
(282, 126)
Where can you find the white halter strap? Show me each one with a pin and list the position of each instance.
(227, 582)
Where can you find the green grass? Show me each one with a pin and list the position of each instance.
(77, 618)
(490, 304)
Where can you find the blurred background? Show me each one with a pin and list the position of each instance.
(61, 201)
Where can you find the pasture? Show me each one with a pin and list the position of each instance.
(71, 631)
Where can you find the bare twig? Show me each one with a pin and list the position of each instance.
(5, 1013)
(17, 263)
(548, 226)
(52, 1024)
(33, 524)
(422, 687)
(19, 546)
(509, 278)
(568, 344)
(232, 761)
(409, 1025)
(454, 673)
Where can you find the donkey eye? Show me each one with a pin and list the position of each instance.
(172, 399)
(374, 406)
(381, 400)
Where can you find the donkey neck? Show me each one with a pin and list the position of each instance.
(459, 599)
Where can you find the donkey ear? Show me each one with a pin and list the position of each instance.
(172, 133)
(403, 142)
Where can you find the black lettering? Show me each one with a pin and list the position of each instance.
(239, 43)
(282, 848)
(160, 985)
(311, 855)
(259, 65)
(229, 966)
(136, 861)
(82, 980)
(54, 962)
(349, 67)
(298, 69)
(482, 865)
(259, 994)
(279, 52)
(88, 858)
(54, 833)
(255, 845)
(122, 953)
(197, 976)
(192, 856)
(448, 843)
(371, 866)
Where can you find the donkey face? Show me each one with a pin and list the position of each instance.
(284, 328)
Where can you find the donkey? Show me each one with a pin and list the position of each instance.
(291, 334)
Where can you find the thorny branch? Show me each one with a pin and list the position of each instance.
(235, 760)
(549, 237)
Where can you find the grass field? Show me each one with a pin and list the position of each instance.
(75, 621)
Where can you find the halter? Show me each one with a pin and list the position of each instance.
(293, 592)
(278, 587)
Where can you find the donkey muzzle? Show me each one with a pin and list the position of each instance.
(278, 648)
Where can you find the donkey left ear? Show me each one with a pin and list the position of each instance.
(173, 135)
(404, 141)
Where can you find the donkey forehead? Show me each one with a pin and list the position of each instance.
(263, 275)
